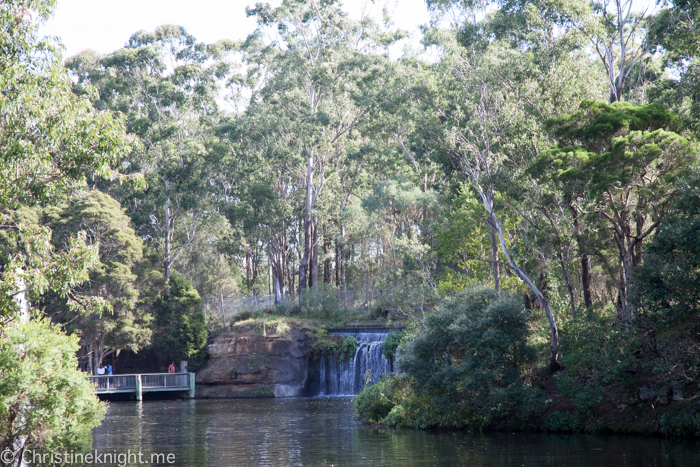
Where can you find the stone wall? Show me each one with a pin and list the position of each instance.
(256, 363)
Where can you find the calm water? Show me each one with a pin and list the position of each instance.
(321, 431)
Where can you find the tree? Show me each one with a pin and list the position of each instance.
(127, 326)
(52, 141)
(674, 34)
(482, 129)
(45, 403)
(316, 64)
(181, 329)
(163, 85)
(628, 159)
(618, 36)
(665, 283)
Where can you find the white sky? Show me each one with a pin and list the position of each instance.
(106, 25)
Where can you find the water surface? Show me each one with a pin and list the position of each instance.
(321, 431)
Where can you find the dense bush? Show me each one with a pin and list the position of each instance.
(391, 343)
(45, 403)
(467, 368)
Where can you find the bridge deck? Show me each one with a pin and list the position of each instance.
(140, 383)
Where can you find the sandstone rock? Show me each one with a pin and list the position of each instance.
(244, 363)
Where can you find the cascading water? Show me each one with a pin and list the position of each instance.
(346, 378)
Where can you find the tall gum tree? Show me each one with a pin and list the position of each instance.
(315, 50)
(165, 83)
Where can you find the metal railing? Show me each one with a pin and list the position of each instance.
(163, 380)
(148, 381)
(114, 383)
(360, 301)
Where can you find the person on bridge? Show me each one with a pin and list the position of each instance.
(171, 368)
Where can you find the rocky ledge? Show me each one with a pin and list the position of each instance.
(255, 362)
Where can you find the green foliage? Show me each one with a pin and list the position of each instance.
(45, 404)
(325, 345)
(666, 283)
(181, 329)
(474, 351)
(76, 141)
(391, 343)
(599, 358)
(372, 404)
(127, 326)
(348, 348)
(468, 366)
(565, 422)
(320, 302)
(681, 421)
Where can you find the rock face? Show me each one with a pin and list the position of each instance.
(251, 363)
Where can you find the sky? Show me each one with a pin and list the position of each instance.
(106, 25)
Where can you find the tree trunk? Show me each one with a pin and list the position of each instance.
(308, 230)
(313, 277)
(494, 258)
(343, 259)
(326, 259)
(488, 205)
(585, 261)
(168, 234)
(337, 264)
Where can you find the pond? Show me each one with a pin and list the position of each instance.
(321, 431)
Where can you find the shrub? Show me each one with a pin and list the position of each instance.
(320, 302)
(391, 342)
(466, 368)
(474, 353)
(348, 348)
(562, 422)
(372, 404)
(681, 422)
(45, 403)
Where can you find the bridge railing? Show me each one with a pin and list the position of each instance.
(114, 382)
(108, 383)
(164, 380)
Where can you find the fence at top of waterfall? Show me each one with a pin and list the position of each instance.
(360, 301)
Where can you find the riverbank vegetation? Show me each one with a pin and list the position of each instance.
(519, 190)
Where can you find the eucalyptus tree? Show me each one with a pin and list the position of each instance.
(320, 66)
(165, 83)
(52, 141)
(675, 33)
(617, 33)
(486, 101)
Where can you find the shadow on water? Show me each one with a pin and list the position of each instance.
(321, 431)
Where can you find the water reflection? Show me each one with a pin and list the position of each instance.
(321, 431)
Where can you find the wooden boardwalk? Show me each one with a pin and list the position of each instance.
(146, 382)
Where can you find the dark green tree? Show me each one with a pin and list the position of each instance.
(127, 326)
(45, 404)
(181, 331)
(665, 286)
(165, 83)
(623, 162)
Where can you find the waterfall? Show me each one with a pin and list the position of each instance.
(346, 378)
